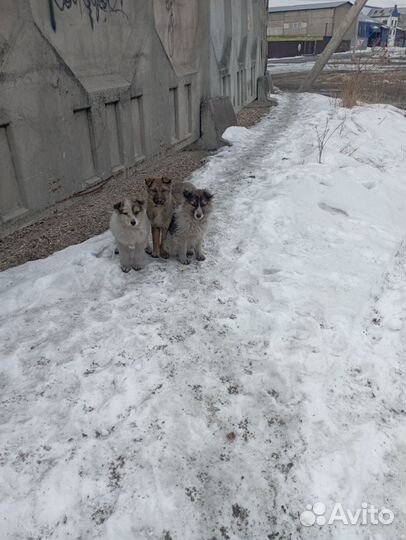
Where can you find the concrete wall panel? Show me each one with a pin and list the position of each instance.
(86, 87)
(113, 130)
(138, 127)
(82, 148)
(178, 26)
(219, 32)
(90, 39)
(10, 196)
(244, 49)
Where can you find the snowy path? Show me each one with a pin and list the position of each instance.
(118, 390)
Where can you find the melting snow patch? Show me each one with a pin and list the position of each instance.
(224, 399)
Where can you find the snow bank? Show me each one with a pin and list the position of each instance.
(218, 400)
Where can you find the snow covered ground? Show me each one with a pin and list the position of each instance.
(219, 400)
(276, 68)
(368, 63)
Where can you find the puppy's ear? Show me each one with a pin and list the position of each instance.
(118, 206)
(166, 180)
(208, 195)
(149, 181)
(187, 194)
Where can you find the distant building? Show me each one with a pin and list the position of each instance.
(306, 28)
(394, 19)
(371, 33)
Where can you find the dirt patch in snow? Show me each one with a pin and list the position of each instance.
(386, 87)
(249, 116)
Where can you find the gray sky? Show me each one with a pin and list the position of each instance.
(371, 3)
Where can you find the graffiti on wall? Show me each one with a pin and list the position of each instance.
(96, 10)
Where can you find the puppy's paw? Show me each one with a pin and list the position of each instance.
(137, 267)
(190, 253)
(148, 250)
(200, 257)
(184, 260)
(125, 268)
(164, 254)
(154, 254)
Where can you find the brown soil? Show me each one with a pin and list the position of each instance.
(87, 215)
(384, 87)
(249, 116)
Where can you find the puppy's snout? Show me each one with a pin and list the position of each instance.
(133, 222)
(159, 202)
(198, 214)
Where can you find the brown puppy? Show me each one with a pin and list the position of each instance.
(159, 211)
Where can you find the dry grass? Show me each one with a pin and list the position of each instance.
(356, 85)
(371, 87)
(352, 91)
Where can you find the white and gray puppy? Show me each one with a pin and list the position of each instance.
(189, 223)
(130, 227)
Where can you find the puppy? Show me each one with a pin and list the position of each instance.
(159, 211)
(189, 223)
(129, 226)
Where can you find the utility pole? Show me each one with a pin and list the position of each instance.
(333, 44)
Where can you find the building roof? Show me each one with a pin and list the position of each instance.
(364, 18)
(310, 6)
(386, 12)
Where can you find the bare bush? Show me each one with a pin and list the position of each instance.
(324, 135)
(354, 86)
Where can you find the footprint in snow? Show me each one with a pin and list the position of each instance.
(332, 209)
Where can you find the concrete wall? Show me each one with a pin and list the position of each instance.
(88, 88)
(237, 48)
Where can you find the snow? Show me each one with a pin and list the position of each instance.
(119, 390)
(299, 67)
(277, 68)
(370, 61)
